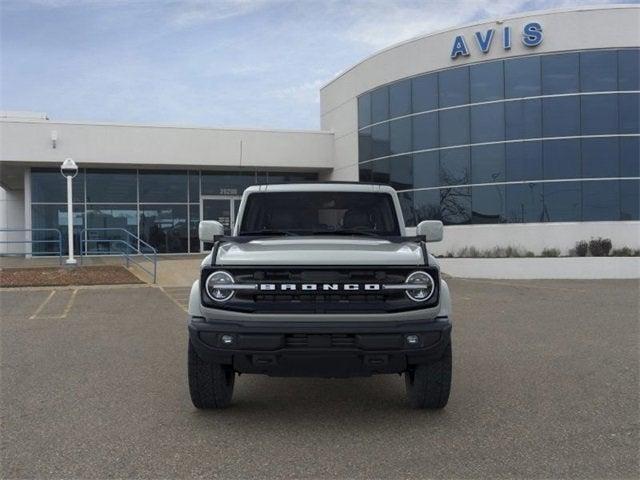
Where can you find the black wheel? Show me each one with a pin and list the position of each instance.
(428, 384)
(210, 384)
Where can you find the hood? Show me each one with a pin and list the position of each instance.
(320, 251)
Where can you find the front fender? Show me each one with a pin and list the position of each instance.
(445, 300)
(194, 300)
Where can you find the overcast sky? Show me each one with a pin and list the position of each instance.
(246, 63)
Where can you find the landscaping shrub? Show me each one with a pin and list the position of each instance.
(624, 252)
(600, 247)
(581, 248)
(550, 252)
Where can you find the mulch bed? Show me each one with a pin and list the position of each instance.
(61, 276)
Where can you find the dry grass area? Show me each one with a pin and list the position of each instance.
(61, 276)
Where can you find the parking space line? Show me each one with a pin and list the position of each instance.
(69, 304)
(182, 307)
(42, 305)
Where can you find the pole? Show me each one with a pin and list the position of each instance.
(70, 260)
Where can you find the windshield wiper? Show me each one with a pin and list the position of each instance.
(346, 232)
(268, 231)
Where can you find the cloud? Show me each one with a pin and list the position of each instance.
(194, 12)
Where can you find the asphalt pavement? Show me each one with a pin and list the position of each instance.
(545, 385)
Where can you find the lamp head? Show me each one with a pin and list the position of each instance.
(69, 168)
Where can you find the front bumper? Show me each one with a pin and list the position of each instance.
(319, 349)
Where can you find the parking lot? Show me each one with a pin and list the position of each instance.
(545, 384)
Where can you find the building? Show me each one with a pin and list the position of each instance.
(519, 131)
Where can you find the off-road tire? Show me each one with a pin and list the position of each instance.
(428, 385)
(210, 384)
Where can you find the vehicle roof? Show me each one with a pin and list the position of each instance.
(321, 187)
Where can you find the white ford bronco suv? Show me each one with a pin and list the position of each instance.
(319, 280)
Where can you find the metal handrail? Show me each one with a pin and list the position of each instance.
(32, 241)
(129, 258)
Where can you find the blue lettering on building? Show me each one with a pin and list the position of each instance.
(531, 37)
(459, 47)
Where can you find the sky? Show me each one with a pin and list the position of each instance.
(217, 63)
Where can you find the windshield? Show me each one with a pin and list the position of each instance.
(317, 213)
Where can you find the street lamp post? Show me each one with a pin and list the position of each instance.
(69, 169)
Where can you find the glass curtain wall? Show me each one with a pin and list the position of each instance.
(161, 207)
(541, 138)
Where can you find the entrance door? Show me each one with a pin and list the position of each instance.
(220, 208)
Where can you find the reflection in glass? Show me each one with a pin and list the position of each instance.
(165, 227)
(112, 186)
(48, 185)
(562, 201)
(425, 131)
(115, 218)
(600, 157)
(427, 205)
(599, 71)
(426, 169)
(522, 77)
(560, 73)
(365, 147)
(400, 98)
(629, 112)
(454, 166)
(630, 157)
(401, 172)
(630, 200)
(487, 81)
(400, 135)
(55, 216)
(163, 186)
(601, 200)
(455, 205)
(561, 116)
(380, 140)
(487, 163)
(629, 69)
(194, 221)
(424, 92)
(523, 161)
(488, 204)
(454, 127)
(380, 104)
(454, 87)
(406, 204)
(487, 123)
(523, 119)
(194, 186)
(226, 183)
(364, 110)
(561, 159)
(599, 114)
(524, 203)
(365, 174)
(380, 171)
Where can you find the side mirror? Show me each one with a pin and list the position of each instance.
(431, 230)
(208, 229)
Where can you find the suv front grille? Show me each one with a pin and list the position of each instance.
(320, 341)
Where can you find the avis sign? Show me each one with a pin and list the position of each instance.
(531, 37)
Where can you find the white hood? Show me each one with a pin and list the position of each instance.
(320, 251)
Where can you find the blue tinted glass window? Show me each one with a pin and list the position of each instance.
(364, 110)
(228, 183)
(426, 169)
(400, 135)
(365, 172)
(523, 161)
(106, 186)
(630, 200)
(365, 145)
(560, 73)
(454, 127)
(380, 171)
(523, 119)
(562, 201)
(401, 172)
(400, 98)
(427, 205)
(630, 157)
(165, 227)
(599, 71)
(599, 114)
(425, 131)
(601, 200)
(406, 205)
(629, 69)
(454, 87)
(487, 81)
(54, 216)
(600, 157)
(522, 77)
(524, 203)
(454, 166)
(488, 204)
(561, 116)
(163, 186)
(561, 159)
(194, 221)
(48, 185)
(487, 163)
(455, 205)
(487, 123)
(194, 186)
(380, 140)
(629, 112)
(425, 92)
(380, 104)
(113, 217)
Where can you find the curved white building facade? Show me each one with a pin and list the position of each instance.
(520, 131)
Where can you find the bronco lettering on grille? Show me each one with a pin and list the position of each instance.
(314, 287)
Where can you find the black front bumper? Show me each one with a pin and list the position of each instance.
(322, 349)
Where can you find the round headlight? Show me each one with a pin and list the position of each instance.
(214, 283)
(426, 286)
